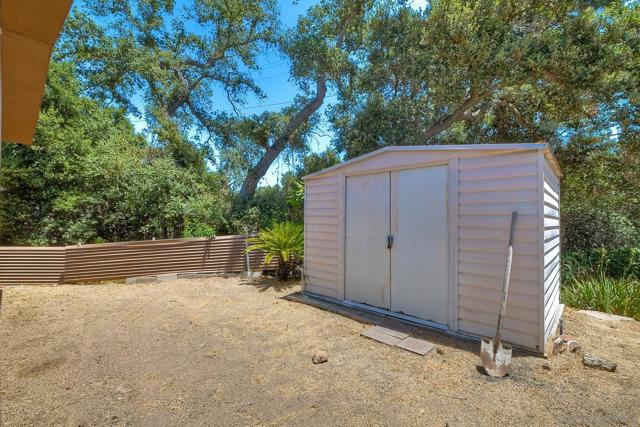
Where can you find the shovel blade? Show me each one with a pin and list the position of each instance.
(495, 360)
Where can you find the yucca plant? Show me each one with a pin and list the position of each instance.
(284, 240)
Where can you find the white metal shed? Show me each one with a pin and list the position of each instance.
(421, 232)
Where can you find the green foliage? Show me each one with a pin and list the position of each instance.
(603, 280)
(489, 71)
(266, 207)
(459, 72)
(283, 240)
(295, 196)
(586, 227)
(600, 196)
(89, 178)
(173, 55)
(314, 162)
(603, 293)
(206, 215)
(616, 263)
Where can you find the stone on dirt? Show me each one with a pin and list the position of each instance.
(559, 346)
(574, 346)
(320, 357)
(564, 342)
(594, 361)
(440, 350)
(605, 316)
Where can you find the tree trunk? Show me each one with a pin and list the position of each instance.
(257, 172)
(260, 169)
(273, 151)
(283, 271)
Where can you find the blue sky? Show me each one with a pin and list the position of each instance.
(273, 78)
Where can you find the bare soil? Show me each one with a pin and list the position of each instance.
(226, 352)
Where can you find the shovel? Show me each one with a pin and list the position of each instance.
(496, 356)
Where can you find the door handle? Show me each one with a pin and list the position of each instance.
(389, 241)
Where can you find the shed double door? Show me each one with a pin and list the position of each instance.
(397, 242)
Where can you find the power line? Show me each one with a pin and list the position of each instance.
(250, 107)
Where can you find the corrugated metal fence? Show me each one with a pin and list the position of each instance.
(47, 265)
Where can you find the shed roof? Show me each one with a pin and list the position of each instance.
(466, 147)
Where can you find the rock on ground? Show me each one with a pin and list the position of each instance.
(594, 361)
(320, 357)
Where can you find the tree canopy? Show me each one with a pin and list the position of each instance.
(385, 73)
(90, 178)
(489, 71)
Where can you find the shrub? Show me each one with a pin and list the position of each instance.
(285, 241)
(266, 207)
(586, 227)
(603, 293)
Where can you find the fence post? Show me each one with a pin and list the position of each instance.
(246, 255)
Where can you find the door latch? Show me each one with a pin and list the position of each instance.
(389, 241)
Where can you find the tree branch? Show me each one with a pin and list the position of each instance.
(459, 114)
(297, 120)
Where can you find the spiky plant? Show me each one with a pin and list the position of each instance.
(284, 240)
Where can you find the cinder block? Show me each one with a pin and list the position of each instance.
(141, 279)
(187, 275)
(167, 277)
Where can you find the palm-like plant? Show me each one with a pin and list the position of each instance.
(284, 240)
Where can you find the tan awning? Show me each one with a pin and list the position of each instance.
(30, 28)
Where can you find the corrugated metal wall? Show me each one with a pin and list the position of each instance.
(551, 249)
(321, 236)
(42, 265)
(490, 188)
(31, 265)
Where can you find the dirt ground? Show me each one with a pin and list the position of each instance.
(226, 352)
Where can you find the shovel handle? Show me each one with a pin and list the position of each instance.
(507, 277)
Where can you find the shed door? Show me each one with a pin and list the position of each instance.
(420, 253)
(367, 272)
(412, 277)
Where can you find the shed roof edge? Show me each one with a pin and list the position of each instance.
(488, 147)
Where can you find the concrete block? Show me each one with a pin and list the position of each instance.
(187, 275)
(141, 279)
(167, 277)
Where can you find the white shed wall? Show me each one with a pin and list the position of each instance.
(551, 248)
(321, 236)
(488, 186)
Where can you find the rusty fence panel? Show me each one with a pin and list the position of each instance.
(47, 265)
(31, 265)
